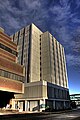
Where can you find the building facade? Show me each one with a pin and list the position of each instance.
(75, 98)
(46, 82)
(11, 73)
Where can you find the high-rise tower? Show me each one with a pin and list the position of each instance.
(46, 82)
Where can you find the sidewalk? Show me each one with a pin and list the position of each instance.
(11, 111)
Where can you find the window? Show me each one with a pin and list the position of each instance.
(5, 74)
(8, 49)
(10, 75)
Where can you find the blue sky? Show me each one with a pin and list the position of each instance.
(60, 17)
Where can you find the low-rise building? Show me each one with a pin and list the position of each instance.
(75, 98)
(11, 73)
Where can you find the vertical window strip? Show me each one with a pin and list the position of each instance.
(23, 47)
(62, 66)
(29, 56)
(18, 37)
(54, 60)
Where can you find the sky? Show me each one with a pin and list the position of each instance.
(60, 17)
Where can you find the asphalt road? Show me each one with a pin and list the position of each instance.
(71, 115)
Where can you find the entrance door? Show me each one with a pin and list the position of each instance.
(34, 106)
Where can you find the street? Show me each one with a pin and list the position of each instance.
(71, 115)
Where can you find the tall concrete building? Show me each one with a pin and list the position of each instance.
(11, 73)
(46, 82)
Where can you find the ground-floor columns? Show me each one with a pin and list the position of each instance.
(64, 105)
(13, 104)
(54, 106)
(26, 105)
(42, 105)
